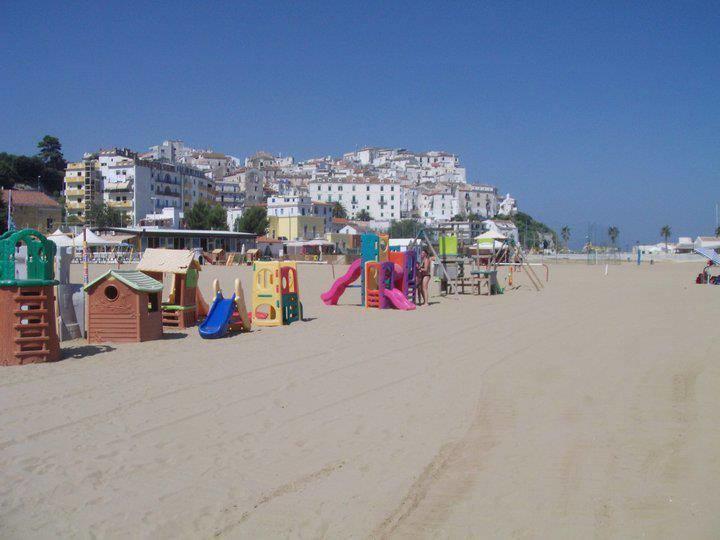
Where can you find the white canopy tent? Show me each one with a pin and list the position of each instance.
(61, 239)
(490, 240)
(93, 240)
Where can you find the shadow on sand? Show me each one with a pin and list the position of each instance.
(84, 351)
(174, 335)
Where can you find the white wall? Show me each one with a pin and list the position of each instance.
(381, 200)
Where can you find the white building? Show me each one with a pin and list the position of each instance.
(138, 187)
(241, 188)
(381, 198)
(507, 207)
(283, 206)
(443, 201)
(437, 204)
(214, 164)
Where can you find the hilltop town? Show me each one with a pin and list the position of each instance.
(378, 186)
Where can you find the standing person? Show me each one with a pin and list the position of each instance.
(424, 276)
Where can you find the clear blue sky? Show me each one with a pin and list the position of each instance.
(604, 112)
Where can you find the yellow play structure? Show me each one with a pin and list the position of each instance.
(276, 294)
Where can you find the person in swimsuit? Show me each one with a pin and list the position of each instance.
(424, 276)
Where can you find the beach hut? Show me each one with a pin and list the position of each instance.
(124, 305)
(180, 309)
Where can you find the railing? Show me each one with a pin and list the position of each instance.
(120, 204)
(167, 181)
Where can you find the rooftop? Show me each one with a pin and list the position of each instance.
(180, 232)
(35, 199)
(132, 278)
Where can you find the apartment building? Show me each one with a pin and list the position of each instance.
(82, 188)
(135, 187)
(442, 202)
(213, 164)
(239, 189)
(381, 198)
(297, 217)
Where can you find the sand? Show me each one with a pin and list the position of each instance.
(587, 410)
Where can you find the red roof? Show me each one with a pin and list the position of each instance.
(22, 197)
(267, 240)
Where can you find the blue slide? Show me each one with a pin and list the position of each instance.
(216, 323)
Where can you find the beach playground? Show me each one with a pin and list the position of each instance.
(588, 409)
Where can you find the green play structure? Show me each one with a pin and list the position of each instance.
(40, 259)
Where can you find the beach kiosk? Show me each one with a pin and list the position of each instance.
(124, 305)
(181, 308)
(28, 332)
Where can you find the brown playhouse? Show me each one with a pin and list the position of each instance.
(124, 305)
(27, 299)
(185, 302)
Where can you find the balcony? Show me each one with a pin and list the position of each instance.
(167, 181)
(72, 205)
(74, 179)
(118, 186)
(74, 192)
(166, 192)
(120, 204)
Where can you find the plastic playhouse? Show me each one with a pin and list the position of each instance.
(182, 308)
(276, 293)
(28, 332)
(388, 279)
(124, 305)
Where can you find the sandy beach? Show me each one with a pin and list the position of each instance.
(586, 410)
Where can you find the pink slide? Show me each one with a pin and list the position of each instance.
(397, 299)
(331, 297)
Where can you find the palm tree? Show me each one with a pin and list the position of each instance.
(666, 232)
(339, 211)
(613, 233)
(565, 233)
(363, 215)
(717, 231)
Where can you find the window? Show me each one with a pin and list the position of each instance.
(111, 293)
(153, 302)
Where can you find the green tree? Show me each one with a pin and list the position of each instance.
(51, 153)
(217, 218)
(717, 231)
(8, 174)
(197, 216)
(29, 170)
(405, 228)
(472, 216)
(206, 217)
(458, 217)
(530, 230)
(613, 233)
(666, 232)
(565, 233)
(339, 210)
(254, 220)
(102, 215)
(363, 215)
